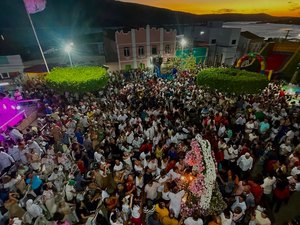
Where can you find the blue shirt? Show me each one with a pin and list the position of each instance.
(264, 127)
(79, 137)
(36, 182)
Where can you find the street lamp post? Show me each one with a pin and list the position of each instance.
(68, 50)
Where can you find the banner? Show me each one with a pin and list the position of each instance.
(34, 6)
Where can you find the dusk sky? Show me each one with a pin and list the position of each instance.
(272, 7)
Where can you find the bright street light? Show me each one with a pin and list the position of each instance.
(68, 50)
(202, 32)
(183, 42)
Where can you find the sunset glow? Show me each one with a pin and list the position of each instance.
(272, 7)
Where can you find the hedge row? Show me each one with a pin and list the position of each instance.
(231, 80)
(77, 79)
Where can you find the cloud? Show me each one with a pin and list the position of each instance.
(259, 10)
(224, 11)
(295, 8)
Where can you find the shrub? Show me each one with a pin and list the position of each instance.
(232, 80)
(77, 79)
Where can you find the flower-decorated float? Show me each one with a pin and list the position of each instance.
(202, 193)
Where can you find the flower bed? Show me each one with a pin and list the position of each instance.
(77, 79)
(232, 80)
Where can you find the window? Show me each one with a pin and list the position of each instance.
(233, 42)
(4, 75)
(154, 50)
(213, 41)
(126, 52)
(167, 49)
(141, 50)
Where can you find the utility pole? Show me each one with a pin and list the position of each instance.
(287, 34)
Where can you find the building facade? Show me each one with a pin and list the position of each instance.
(11, 66)
(221, 42)
(137, 47)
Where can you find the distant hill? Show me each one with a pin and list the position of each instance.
(63, 20)
(108, 13)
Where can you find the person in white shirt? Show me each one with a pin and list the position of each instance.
(5, 160)
(285, 148)
(239, 202)
(33, 209)
(153, 165)
(34, 160)
(57, 177)
(84, 121)
(231, 153)
(261, 218)
(296, 170)
(193, 220)
(138, 166)
(35, 146)
(252, 136)
(221, 130)
(175, 200)
(122, 126)
(125, 147)
(137, 142)
(268, 185)
(70, 190)
(98, 156)
(12, 182)
(118, 165)
(297, 185)
(245, 162)
(136, 213)
(139, 182)
(222, 145)
(16, 135)
(129, 137)
(151, 190)
(226, 217)
(122, 117)
(240, 121)
(14, 152)
(249, 126)
(174, 174)
(149, 133)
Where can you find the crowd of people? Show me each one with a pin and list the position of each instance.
(113, 157)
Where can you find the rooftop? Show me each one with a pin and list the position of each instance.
(250, 35)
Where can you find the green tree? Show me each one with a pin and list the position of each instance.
(77, 79)
(189, 63)
(232, 80)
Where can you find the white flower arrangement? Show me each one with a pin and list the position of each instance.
(210, 175)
